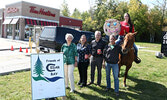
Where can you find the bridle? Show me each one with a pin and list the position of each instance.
(127, 50)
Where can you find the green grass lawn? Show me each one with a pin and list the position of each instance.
(146, 81)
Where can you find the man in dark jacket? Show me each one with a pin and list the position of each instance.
(97, 47)
(111, 56)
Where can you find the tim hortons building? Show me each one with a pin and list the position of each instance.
(22, 19)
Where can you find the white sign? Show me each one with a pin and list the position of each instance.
(47, 76)
(165, 38)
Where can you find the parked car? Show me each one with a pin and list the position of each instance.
(52, 37)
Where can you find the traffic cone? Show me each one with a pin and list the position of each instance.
(20, 49)
(12, 48)
(26, 50)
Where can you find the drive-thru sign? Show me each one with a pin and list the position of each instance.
(47, 76)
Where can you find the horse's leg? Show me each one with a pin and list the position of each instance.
(126, 73)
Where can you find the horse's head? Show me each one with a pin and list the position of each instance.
(128, 42)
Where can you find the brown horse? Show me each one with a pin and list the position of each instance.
(127, 57)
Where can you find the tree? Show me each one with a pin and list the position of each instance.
(38, 67)
(154, 24)
(76, 14)
(121, 9)
(163, 7)
(103, 10)
(99, 15)
(65, 10)
(87, 21)
(139, 17)
(111, 7)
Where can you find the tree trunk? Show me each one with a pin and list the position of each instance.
(152, 38)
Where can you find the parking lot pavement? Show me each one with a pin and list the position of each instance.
(12, 61)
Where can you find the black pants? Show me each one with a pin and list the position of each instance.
(96, 61)
(82, 67)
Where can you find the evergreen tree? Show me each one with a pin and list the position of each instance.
(65, 10)
(38, 67)
(76, 14)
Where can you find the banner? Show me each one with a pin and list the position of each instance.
(47, 76)
(164, 43)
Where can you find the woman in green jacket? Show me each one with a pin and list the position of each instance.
(70, 60)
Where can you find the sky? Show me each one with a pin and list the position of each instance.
(82, 5)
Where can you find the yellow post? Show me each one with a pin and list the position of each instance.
(29, 41)
(30, 44)
(30, 47)
(37, 50)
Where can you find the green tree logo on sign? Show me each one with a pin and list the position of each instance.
(38, 67)
(39, 71)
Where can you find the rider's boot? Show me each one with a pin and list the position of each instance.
(137, 60)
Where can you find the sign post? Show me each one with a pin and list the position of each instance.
(164, 43)
(47, 76)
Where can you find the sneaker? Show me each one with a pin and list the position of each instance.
(79, 83)
(72, 91)
(67, 87)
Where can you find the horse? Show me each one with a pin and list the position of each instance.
(127, 56)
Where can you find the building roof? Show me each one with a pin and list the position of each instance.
(30, 3)
(71, 18)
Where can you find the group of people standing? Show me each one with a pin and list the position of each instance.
(98, 53)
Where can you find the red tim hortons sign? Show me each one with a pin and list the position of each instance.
(41, 12)
(12, 10)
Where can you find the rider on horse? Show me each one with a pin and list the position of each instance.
(126, 27)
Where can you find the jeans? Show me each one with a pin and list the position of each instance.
(115, 70)
(136, 50)
(120, 39)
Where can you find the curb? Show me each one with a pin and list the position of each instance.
(7, 73)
